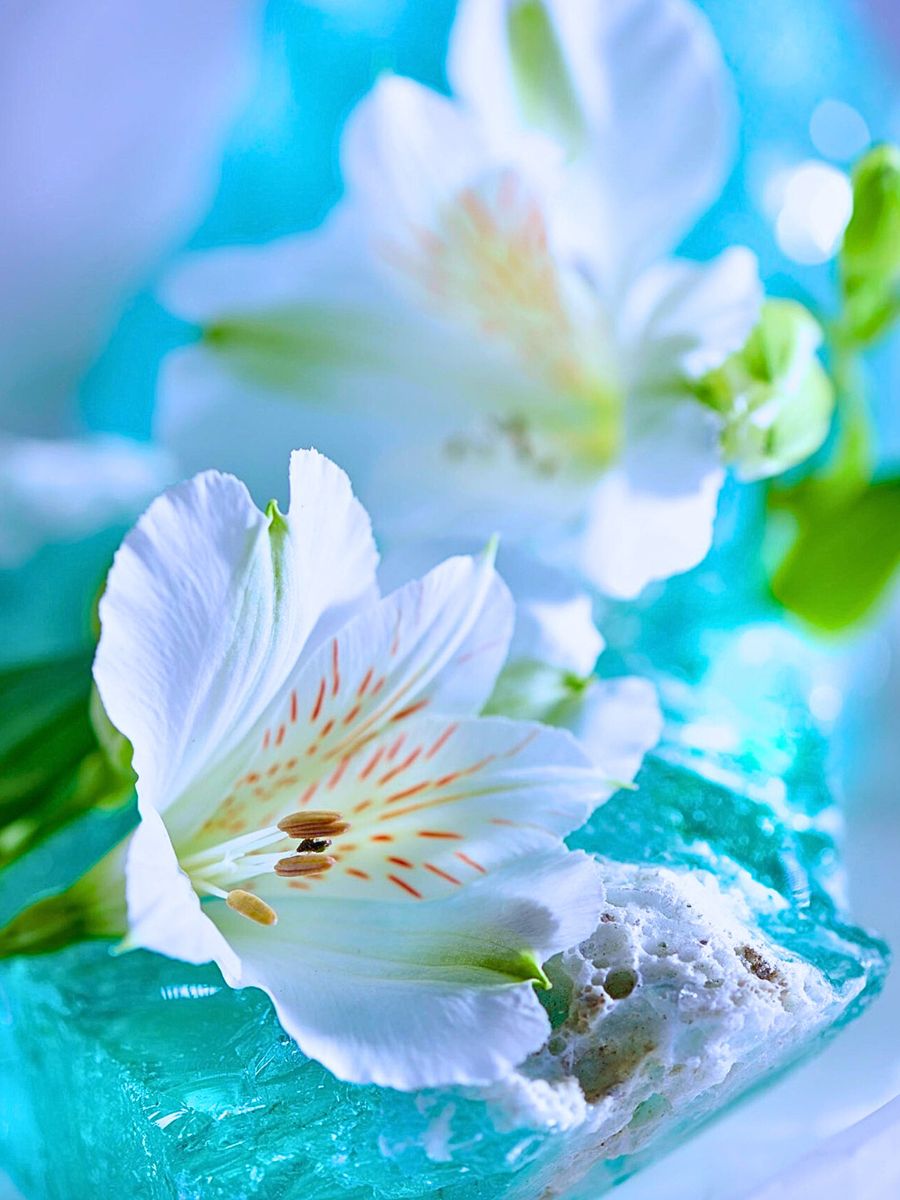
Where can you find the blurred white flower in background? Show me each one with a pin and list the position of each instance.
(112, 120)
(491, 290)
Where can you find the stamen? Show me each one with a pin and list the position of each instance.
(304, 825)
(304, 864)
(252, 907)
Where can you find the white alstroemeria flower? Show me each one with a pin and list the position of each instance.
(322, 814)
(488, 289)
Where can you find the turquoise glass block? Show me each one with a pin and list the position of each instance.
(723, 957)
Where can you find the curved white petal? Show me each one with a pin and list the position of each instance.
(617, 721)
(433, 805)
(164, 911)
(554, 615)
(53, 491)
(210, 604)
(652, 516)
(681, 319)
(435, 645)
(407, 152)
(113, 120)
(324, 265)
(652, 92)
(411, 995)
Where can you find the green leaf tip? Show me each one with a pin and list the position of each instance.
(277, 519)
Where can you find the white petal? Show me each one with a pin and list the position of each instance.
(554, 616)
(436, 644)
(617, 721)
(208, 608)
(115, 118)
(439, 803)
(164, 911)
(54, 491)
(652, 89)
(411, 995)
(407, 151)
(326, 265)
(681, 319)
(652, 516)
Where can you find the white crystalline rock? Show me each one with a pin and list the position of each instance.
(677, 1000)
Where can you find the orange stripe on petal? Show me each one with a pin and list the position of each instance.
(335, 668)
(470, 862)
(405, 886)
(443, 874)
(443, 739)
(410, 709)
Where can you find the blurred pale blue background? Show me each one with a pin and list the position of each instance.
(816, 80)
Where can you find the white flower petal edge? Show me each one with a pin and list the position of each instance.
(554, 622)
(208, 606)
(639, 90)
(516, 265)
(442, 1005)
(322, 815)
(617, 722)
(652, 516)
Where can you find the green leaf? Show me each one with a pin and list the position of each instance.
(52, 763)
(845, 554)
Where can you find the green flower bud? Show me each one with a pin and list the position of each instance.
(870, 257)
(774, 396)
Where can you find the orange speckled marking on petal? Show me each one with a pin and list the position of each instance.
(337, 775)
(443, 874)
(320, 699)
(362, 806)
(293, 707)
(381, 837)
(443, 739)
(440, 833)
(405, 886)
(470, 862)
(410, 709)
(401, 767)
(335, 668)
(372, 764)
(401, 862)
(410, 791)
(367, 679)
(352, 714)
(357, 874)
(395, 748)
